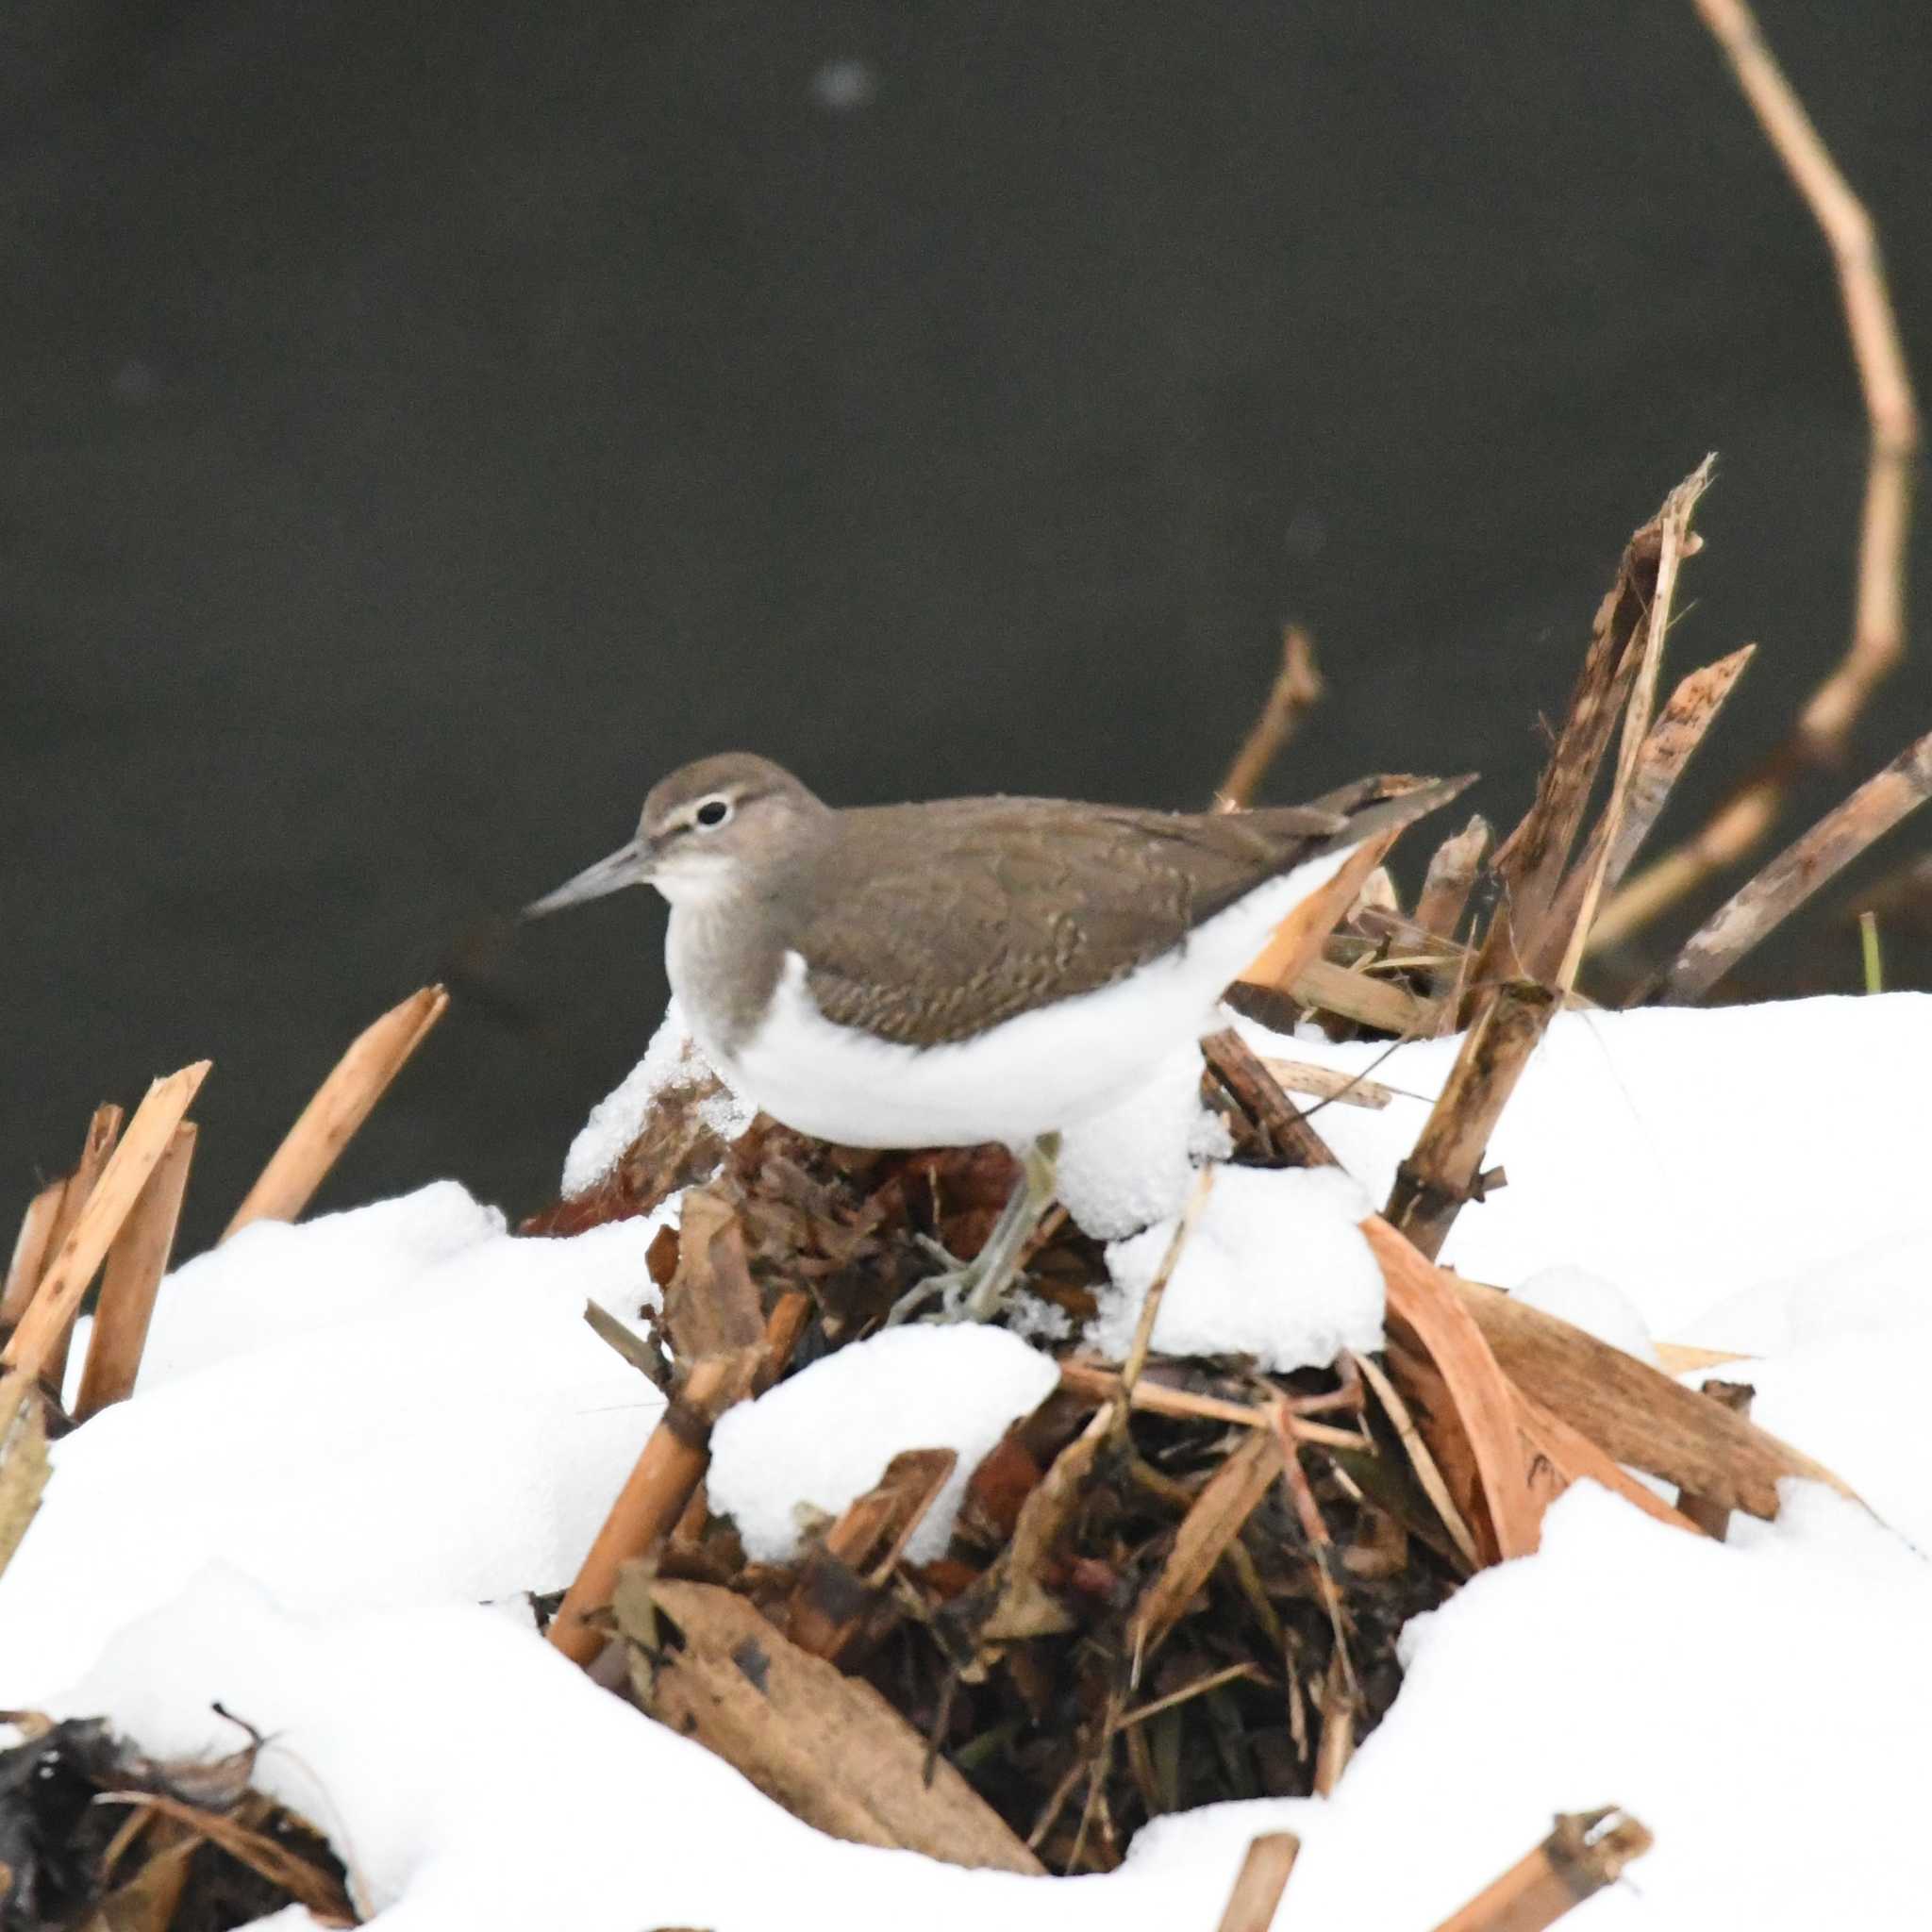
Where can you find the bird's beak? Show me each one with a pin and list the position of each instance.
(626, 867)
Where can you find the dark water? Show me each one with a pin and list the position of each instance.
(427, 424)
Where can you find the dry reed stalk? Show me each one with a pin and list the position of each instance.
(1877, 642)
(1297, 942)
(31, 1247)
(70, 1196)
(1327, 987)
(1427, 1315)
(1444, 1169)
(1796, 872)
(1676, 542)
(1296, 689)
(1337, 1707)
(1260, 1882)
(659, 1485)
(42, 1332)
(341, 1103)
(1681, 728)
(1587, 1850)
(24, 1466)
(1710, 1513)
(102, 1132)
(1530, 862)
(1681, 1358)
(1451, 877)
(136, 1262)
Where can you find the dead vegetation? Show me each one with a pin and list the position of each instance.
(1178, 1580)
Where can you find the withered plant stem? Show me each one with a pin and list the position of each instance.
(1432, 1183)
(1587, 1850)
(341, 1103)
(1791, 878)
(41, 1336)
(1296, 689)
(136, 1262)
(1877, 642)
(1257, 1887)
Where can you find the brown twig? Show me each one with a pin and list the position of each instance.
(341, 1103)
(136, 1263)
(1822, 732)
(41, 1336)
(1587, 1850)
(1791, 878)
(1297, 686)
(1156, 1289)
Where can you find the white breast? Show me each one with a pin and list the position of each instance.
(1044, 1070)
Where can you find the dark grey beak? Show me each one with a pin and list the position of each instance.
(628, 866)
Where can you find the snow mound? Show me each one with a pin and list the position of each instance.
(462, 1439)
(823, 1437)
(1586, 1300)
(1276, 1267)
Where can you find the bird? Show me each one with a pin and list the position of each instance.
(963, 970)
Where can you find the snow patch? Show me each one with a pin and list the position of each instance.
(823, 1437)
(1276, 1267)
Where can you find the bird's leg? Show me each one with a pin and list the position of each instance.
(972, 1291)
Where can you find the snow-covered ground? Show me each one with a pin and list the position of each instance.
(356, 1443)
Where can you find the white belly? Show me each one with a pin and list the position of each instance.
(1041, 1071)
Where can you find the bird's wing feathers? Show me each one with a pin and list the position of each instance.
(936, 926)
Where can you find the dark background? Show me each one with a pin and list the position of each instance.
(426, 425)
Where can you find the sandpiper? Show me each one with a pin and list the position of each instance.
(966, 970)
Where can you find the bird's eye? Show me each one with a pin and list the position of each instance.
(712, 814)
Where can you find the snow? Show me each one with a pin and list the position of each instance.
(356, 1442)
(461, 1438)
(1122, 1170)
(1685, 1156)
(1276, 1267)
(823, 1438)
(672, 1060)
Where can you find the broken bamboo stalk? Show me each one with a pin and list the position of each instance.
(1587, 1850)
(340, 1105)
(1674, 543)
(137, 1260)
(1451, 878)
(37, 1342)
(672, 1465)
(1258, 1885)
(1297, 942)
(1444, 1169)
(1796, 872)
(31, 1247)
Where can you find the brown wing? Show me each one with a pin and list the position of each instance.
(943, 920)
